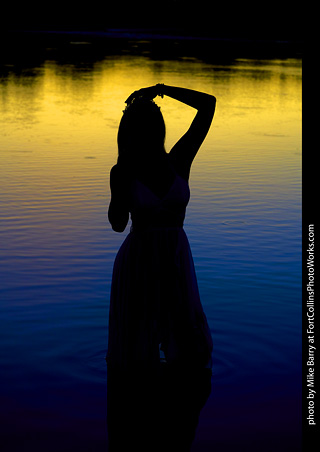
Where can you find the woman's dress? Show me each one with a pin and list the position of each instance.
(155, 309)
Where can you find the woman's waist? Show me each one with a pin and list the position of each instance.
(151, 220)
(155, 226)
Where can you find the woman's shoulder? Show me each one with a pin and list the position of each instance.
(115, 173)
(119, 170)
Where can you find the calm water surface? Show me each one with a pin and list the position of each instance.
(58, 141)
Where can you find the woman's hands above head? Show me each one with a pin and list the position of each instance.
(184, 151)
(147, 93)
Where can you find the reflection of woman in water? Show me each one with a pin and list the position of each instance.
(159, 348)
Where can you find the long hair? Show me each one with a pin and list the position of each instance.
(141, 131)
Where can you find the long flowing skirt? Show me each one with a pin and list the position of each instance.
(155, 303)
(155, 310)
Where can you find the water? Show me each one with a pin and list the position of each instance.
(58, 143)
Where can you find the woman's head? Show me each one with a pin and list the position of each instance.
(141, 130)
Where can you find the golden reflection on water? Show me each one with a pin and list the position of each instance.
(60, 122)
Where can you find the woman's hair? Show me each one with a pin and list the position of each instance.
(142, 129)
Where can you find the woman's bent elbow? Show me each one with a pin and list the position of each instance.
(212, 103)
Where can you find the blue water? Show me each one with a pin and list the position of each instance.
(57, 249)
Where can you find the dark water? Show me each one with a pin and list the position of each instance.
(58, 142)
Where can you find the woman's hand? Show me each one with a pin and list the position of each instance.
(147, 93)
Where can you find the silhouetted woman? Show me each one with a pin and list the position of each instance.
(159, 346)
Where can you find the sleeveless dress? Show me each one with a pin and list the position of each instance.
(155, 309)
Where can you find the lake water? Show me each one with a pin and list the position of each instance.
(58, 131)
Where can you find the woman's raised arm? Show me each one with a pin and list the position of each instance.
(185, 150)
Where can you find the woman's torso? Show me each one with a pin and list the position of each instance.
(159, 196)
